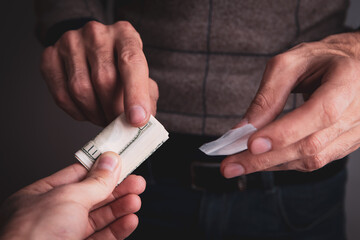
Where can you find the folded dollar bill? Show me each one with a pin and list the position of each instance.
(133, 144)
(233, 141)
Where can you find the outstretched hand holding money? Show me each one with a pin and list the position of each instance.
(72, 204)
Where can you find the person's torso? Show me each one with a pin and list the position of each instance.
(208, 56)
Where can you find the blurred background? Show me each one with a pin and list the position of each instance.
(37, 138)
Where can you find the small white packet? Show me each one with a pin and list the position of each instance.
(233, 141)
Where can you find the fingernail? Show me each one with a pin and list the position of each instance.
(260, 145)
(137, 114)
(107, 162)
(233, 170)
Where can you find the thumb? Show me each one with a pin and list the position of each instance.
(101, 180)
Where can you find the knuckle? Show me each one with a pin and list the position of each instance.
(80, 89)
(132, 42)
(129, 35)
(311, 146)
(130, 55)
(330, 113)
(93, 27)
(304, 45)
(313, 163)
(61, 100)
(280, 60)
(69, 41)
(124, 26)
(281, 136)
(95, 33)
(262, 102)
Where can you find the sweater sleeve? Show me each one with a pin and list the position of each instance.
(54, 17)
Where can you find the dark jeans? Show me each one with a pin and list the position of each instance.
(173, 210)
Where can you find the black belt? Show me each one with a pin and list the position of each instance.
(180, 161)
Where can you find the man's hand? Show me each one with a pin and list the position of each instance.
(97, 72)
(325, 128)
(72, 204)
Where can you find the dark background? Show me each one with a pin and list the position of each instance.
(38, 139)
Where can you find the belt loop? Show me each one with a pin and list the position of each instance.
(268, 181)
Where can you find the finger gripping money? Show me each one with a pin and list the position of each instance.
(133, 144)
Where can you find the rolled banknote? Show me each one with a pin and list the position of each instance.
(233, 141)
(133, 144)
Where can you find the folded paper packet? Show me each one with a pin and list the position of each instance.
(233, 141)
(133, 144)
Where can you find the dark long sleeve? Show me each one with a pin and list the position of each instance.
(54, 17)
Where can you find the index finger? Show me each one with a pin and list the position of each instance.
(71, 174)
(324, 108)
(134, 74)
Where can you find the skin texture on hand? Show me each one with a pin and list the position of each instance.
(75, 204)
(325, 128)
(99, 71)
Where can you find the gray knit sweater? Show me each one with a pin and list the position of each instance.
(208, 56)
